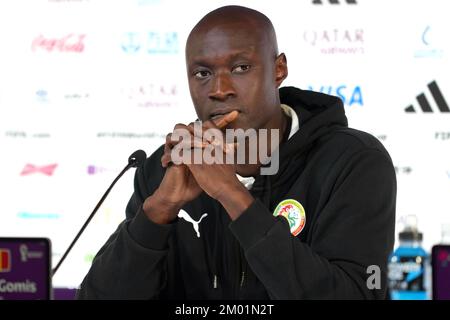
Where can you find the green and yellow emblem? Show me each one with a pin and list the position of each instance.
(294, 213)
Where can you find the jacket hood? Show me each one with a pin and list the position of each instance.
(318, 114)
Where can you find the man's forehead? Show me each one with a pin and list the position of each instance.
(215, 55)
(229, 31)
(223, 40)
(234, 17)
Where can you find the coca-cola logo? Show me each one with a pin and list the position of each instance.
(69, 43)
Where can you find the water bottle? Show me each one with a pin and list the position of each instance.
(445, 233)
(408, 265)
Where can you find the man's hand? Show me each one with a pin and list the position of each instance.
(218, 180)
(178, 185)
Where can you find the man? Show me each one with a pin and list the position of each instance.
(310, 230)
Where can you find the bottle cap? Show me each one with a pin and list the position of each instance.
(410, 231)
(445, 233)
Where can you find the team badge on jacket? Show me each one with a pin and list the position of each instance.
(294, 212)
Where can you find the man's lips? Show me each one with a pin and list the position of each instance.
(220, 113)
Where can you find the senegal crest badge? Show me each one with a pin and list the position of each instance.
(294, 213)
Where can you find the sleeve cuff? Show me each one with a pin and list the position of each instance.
(147, 233)
(252, 225)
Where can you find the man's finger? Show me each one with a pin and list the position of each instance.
(165, 160)
(222, 122)
(194, 142)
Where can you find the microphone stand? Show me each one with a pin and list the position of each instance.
(136, 159)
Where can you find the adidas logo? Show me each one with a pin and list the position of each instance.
(425, 105)
(334, 1)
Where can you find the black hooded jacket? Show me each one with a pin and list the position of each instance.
(343, 178)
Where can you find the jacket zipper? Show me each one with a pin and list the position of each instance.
(241, 274)
(242, 278)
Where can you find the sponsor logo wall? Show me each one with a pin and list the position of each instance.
(85, 83)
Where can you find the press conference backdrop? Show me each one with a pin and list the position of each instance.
(84, 83)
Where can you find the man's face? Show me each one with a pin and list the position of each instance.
(233, 69)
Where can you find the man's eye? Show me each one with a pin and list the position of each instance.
(241, 68)
(201, 74)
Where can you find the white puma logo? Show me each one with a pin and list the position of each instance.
(183, 214)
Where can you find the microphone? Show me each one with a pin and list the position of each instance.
(136, 159)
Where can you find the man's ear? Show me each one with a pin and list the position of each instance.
(281, 69)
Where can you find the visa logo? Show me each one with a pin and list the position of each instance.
(349, 96)
(5, 260)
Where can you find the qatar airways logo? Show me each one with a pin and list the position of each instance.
(152, 95)
(336, 41)
(68, 43)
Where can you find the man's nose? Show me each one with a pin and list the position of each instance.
(222, 87)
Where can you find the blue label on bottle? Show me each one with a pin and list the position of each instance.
(406, 276)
